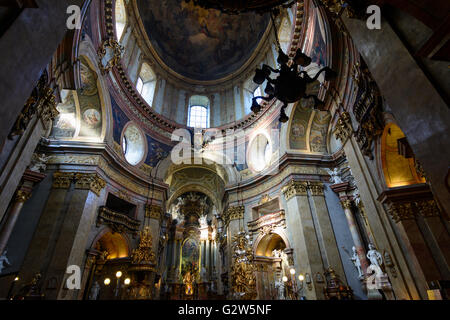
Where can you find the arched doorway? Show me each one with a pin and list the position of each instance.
(113, 252)
(272, 263)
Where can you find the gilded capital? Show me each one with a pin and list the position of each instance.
(22, 196)
(295, 188)
(62, 180)
(316, 188)
(233, 213)
(153, 211)
(427, 208)
(89, 181)
(401, 211)
(346, 204)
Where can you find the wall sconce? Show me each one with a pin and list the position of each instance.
(107, 281)
(127, 281)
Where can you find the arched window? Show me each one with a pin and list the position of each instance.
(121, 19)
(198, 116)
(146, 83)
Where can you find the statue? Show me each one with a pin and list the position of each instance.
(4, 261)
(276, 253)
(38, 162)
(334, 176)
(95, 290)
(356, 262)
(279, 285)
(374, 256)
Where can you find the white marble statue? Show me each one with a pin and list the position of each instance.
(38, 162)
(95, 290)
(276, 253)
(334, 176)
(279, 285)
(356, 262)
(4, 261)
(374, 256)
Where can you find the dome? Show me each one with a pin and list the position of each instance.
(201, 44)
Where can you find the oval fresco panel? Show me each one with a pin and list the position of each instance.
(197, 43)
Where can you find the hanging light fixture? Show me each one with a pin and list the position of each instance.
(291, 84)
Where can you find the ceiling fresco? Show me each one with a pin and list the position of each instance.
(200, 44)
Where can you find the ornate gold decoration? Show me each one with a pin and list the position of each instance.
(401, 211)
(153, 211)
(233, 213)
(62, 180)
(144, 252)
(264, 198)
(427, 208)
(89, 181)
(344, 128)
(243, 270)
(295, 188)
(316, 188)
(22, 196)
(188, 280)
(117, 221)
(111, 50)
(346, 204)
(42, 101)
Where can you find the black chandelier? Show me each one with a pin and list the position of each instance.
(290, 85)
(240, 6)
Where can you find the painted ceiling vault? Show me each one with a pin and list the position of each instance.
(200, 44)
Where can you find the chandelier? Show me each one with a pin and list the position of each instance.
(291, 84)
(239, 6)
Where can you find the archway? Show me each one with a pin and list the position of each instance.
(113, 253)
(272, 263)
(398, 170)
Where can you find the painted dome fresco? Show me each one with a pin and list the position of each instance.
(201, 44)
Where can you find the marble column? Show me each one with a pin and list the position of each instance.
(300, 226)
(23, 193)
(325, 228)
(405, 284)
(61, 236)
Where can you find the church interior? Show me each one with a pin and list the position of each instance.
(224, 150)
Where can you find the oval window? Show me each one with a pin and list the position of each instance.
(133, 144)
(260, 153)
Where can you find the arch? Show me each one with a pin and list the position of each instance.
(117, 244)
(265, 244)
(397, 170)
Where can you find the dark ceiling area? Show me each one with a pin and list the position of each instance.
(201, 44)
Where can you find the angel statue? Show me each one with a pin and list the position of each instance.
(334, 176)
(38, 162)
